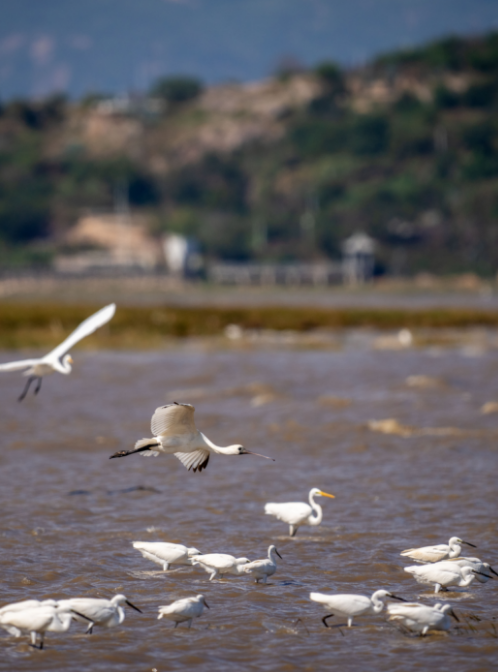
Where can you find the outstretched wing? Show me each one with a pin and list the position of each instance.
(86, 328)
(197, 460)
(173, 419)
(17, 366)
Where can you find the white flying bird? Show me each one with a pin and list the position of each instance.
(262, 569)
(442, 574)
(95, 611)
(37, 620)
(484, 570)
(184, 610)
(58, 360)
(175, 433)
(421, 618)
(296, 514)
(350, 605)
(436, 553)
(219, 564)
(165, 554)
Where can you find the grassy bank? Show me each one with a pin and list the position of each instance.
(30, 326)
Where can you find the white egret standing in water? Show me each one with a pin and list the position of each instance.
(296, 514)
(37, 620)
(174, 431)
(438, 552)
(483, 569)
(184, 610)
(442, 574)
(351, 605)
(421, 618)
(262, 569)
(95, 611)
(219, 564)
(165, 554)
(57, 359)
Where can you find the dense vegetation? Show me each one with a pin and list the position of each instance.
(419, 172)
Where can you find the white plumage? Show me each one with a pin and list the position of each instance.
(184, 610)
(95, 611)
(37, 620)
(57, 359)
(174, 432)
(27, 604)
(438, 552)
(351, 605)
(219, 564)
(296, 514)
(262, 569)
(165, 554)
(483, 569)
(442, 574)
(421, 618)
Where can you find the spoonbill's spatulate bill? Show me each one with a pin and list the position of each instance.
(184, 610)
(175, 433)
(95, 611)
(296, 514)
(165, 554)
(420, 617)
(437, 553)
(262, 569)
(37, 621)
(57, 359)
(219, 564)
(442, 574)
(484, 570)
(350, 605)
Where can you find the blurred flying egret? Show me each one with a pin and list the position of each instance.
(184, 610)
(219, 564)
(38, 620)
(483, 569)
(296, 514)
(421, 618)
(350, 605)
(442, 574)
(437, 553)
(175, 433)
(106, 613)
(262, 569)
(36, 369)
(165, 554)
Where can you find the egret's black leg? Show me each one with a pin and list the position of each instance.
(324, 620)
(38, 385)
(26, 388)
(124, 453)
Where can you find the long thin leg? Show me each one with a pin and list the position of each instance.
(292, 530)
(176, 623)
(324, 620)
(89, 630)
(189, 623)
(124, 453)
(26, 388)
(42, 634)
(38, 386)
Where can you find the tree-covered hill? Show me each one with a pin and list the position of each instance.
(405, 148)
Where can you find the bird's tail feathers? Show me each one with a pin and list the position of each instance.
(143, 444)
(318, 597)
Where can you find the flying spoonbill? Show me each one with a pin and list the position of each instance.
(38, 620)
(296, 514)
(483, 568)
(437, 553)
(351, 605)
(219, 564)
(106, 613)
(57, 359)
(175, 433)
(442, 574)
(421, 618)
(262, 569)
(165, 554)
(184, 610)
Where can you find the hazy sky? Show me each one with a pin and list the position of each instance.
(116, 45)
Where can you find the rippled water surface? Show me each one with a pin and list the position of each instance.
(69, 514)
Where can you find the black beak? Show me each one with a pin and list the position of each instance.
(278, 554)
(469, 544)
(81, 615)
(206, 604)
(133, 606)
(452, 613)
(492, 570)
(249, 452)
(481, 573)
(395, 597)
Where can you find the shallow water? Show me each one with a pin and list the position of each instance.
(69, 514)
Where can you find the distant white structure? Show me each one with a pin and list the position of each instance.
(181, 255)
(359, 258)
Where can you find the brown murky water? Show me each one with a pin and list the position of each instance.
(69, 514)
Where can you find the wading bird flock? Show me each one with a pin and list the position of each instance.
(174, 432)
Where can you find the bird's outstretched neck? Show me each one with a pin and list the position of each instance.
(222, 450)
(317, 518)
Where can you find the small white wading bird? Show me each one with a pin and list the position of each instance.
(442, 574)
(37, 620)
(350, 605)
(184, 610)
(94, 611)
(421, 618)
(165, 554)
(437, 553)
(296, 514)
(175, 433)
(483, 569)
(27, 604)
(219, 564)
(58, 360)
(262, 569)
